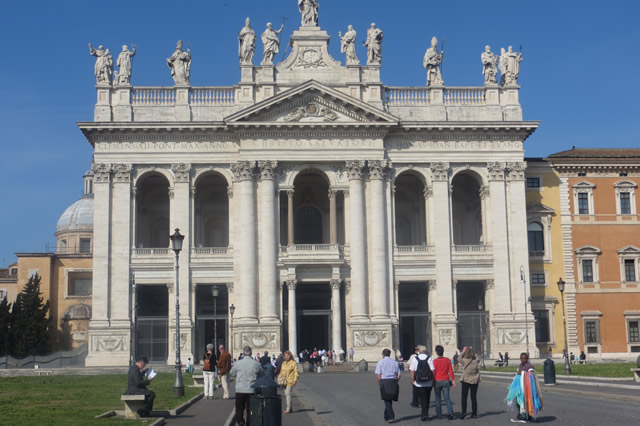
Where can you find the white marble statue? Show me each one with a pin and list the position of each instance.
(124, 61)
(104, 64)
(348, 45)
(180, 65)
(432, 62)
(271, 43)
(374, 45)
(247, 43)
(309, 12)
(489, 66)
(510, 66)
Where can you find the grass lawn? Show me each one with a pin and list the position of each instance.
(76, 400)
(600, 370)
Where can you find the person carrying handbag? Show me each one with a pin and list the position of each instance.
(288, 377)
(470, 380)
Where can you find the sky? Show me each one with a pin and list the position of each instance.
(578, 76)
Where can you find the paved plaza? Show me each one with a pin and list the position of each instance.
(354, 399)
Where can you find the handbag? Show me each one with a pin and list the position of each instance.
(282, 380)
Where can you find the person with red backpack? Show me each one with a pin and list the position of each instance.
(421, 371)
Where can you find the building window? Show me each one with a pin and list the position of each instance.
(626, 197)
(14, 272)
(629, 270)
(634, 331)
(85, 245)
(79, 283)
(538, 278)
(629, 263)
(583, 198)
(625, 203)
(583, 203)
(592, 331)
(3, 293)
(536, 239)
(533, 182)
(542, 326)
(587, 271)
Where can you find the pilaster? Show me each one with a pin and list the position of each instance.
(120, 245)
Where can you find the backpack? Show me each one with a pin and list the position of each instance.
(423, 371)
(207, 363)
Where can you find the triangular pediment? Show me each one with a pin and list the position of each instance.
(539, 208)
(630, 249)
(584, 184)
(312, 103)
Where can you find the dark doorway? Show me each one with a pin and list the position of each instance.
(211, 318)
(473, 320)
(152, 322)
(313, 303)
(308, 226)
(415, 319)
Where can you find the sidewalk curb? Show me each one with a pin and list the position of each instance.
(182, 407)
(315, 418)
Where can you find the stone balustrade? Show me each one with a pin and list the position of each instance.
(153, 96)
(151, 251)
(471, 248)
(212, 251)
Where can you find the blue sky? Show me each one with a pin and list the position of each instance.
(579, 74)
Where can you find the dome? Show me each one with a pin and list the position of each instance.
(77, 217)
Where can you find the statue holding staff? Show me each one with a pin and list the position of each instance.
(180, 65)
(432, 62)
(271, 43)
(374, 45)
(125, 63)
(489, 66)
(510, 66)
(348, 45)
(309, 11)
(104, 64)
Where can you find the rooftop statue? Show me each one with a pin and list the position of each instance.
(309, 12)
(123, 76)
(180, 65)
(247, 43)
(271, 43)
(489, 66)
(104, 64)
(510, 66)
(432, 62)
(348, 45)
(374, 45)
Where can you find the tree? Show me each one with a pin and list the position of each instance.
(30, 327)
(5, 325)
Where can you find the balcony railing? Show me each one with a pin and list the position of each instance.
(212, 251)
(166, 96)
(412, 249)
(153, 96)
(151, 251)
(464, 96)
(407, 95)
(536, 253)
(477, 248)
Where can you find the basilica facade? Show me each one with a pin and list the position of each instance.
(328, 209)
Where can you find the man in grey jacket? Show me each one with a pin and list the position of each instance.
(246, 371)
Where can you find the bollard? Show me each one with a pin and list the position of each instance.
(363, 365)
(549, 372)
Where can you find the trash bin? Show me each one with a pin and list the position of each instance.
(306, 367)
(549, 372)
(265, 404)
(363, 365)
(269, 371)
(638, 361)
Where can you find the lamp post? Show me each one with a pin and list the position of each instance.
(523, 280)
(176, 244)
(232, 309)
(215, 292)
(481, 308)
(567, 363)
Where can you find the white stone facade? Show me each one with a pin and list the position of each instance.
(314, 148)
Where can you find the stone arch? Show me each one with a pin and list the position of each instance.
(152, 210)
(409, 208)
(467, 207)
(329, 174)
(142, 172)
(211, 209)
(203, 171)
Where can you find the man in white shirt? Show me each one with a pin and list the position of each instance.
(415, 402)
(420, 379)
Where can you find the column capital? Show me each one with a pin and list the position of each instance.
(335, 284)
(440, 171)
(347, 285)
(170, 287)
(291, 284)
(433, 285)
(230, 287)
(489, 284)
(516, 170)
(230, 192)
(243, 170)
(333, 193)
(181, 172)
(354, 169)
(496, 170)
(290, 193)
(378, 169)
(427, 192)
(122, 172)
(101, 172)
(268, 169)
(396, 285)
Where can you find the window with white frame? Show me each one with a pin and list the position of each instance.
(632, 319)
(629, 264)
(587, 258)
(534, 183)
(79, 283)
(539, 219)
(591, 331)
(583, 198)
(625, 197)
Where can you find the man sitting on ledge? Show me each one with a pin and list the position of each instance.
(138, 383)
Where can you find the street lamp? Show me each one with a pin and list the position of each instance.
(176, 245)
(232, 309)
(523, 280)
(567, 363)
(481, 308)
(215, 292)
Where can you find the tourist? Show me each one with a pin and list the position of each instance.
(341, 353)
(288, 377)
(500, 357)
(189, 366)
(209, 371)
(455, 361)
(525, 383)
(506, 359)
(421, 372)
(351, 355)
(224, 366)
(388, 375)
(583, 357)
(246, 371)
(137, 385)
(444, 379)
(279, 362)
(470, 380)
(265, 359)
(415, 402)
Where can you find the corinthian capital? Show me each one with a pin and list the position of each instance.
(378, 168)
(243, 170)
(354, 169)
(181, 172)
(101, 172)
(267, 169)
(440, 171)
(516, 170)
(122, 173)
(496, 170)
(335, 284)
(291, 284)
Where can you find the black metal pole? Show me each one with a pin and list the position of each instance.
(178, 386)
(567, 363)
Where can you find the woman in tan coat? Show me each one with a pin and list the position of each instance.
(470, 380)
(288, 377)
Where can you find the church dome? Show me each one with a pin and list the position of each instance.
(77, 217)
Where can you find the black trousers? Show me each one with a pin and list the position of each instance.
(424, 395)
(242, 406)
(414, 394)
(388, 410)
(474, 400)
(149, 396)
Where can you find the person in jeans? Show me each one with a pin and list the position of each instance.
(288, 377)
(246, 371)
(388, 375)
(423, 387)
(209, 371)
(224, 366)
(444, 379)
(470, 380)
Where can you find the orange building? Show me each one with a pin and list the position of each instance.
(601, 248)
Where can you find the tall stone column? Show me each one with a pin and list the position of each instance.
(290, 235)
(357, 241)
(292, 315)
(489, 303)
(333, 217)
(336, 316)
(268, 287)
(121, 244)
(499, 237)
(245, 247)
(445, 323)
(428, 207)
(378, 258)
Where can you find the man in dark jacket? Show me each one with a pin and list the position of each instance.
(138, 383)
